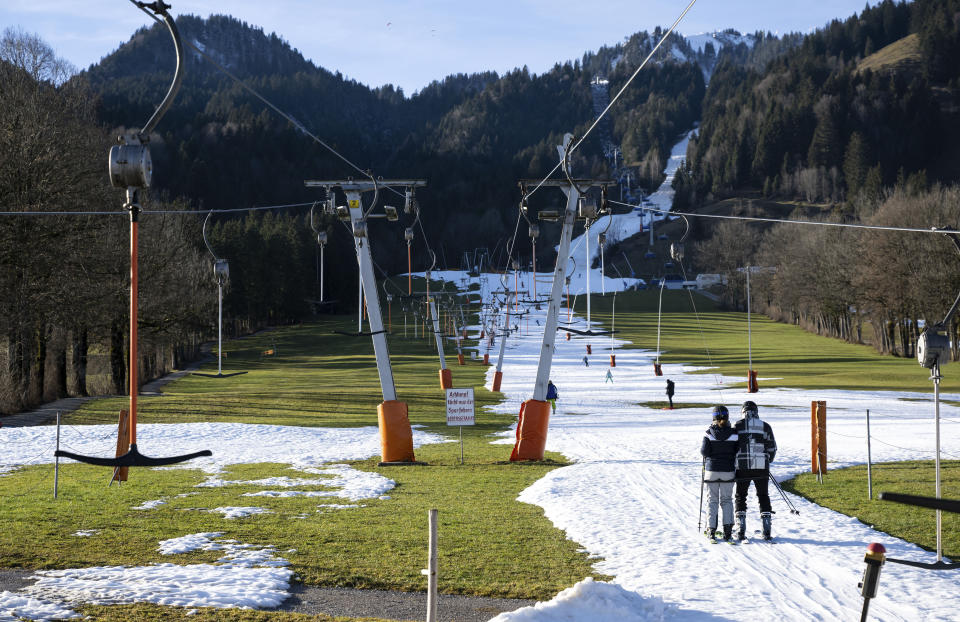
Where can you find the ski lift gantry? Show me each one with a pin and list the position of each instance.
(131, 167)
(536, 411)
(221, 273)
(933, 351)
(396, 436)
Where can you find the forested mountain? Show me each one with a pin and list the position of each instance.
(856, 105)
(855, 121)
(858, 124)
(471, 136)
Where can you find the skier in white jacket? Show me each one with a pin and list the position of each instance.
(756, 448)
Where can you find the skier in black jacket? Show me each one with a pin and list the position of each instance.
(719, 450)
(756, 450)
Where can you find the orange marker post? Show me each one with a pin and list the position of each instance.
(818, 437)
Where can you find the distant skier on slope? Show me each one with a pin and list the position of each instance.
(719, 449)
(670, 392)
(756, 448)
(552, 395)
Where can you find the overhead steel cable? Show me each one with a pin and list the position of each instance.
(163, 211)
(227, 211)
(123, 213)
(615, 98)
(718, 377)
(266, 101)
(781, 220)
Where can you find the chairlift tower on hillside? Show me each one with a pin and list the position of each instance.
(396, 436)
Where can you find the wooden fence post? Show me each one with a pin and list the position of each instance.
(818, 438)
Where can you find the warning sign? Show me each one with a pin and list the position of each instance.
(460, 407)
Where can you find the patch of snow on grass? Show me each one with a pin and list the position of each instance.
(197, 585)
(240, 512)
(150, 505)
(236, 554)
(15, 607)
(191, 542)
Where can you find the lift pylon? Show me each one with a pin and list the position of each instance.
(446, 378)
(536, 411)
(504, 335)
(221, 272)
(396, 436)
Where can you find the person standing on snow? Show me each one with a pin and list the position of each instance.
(552, 395)
(670, 392)
(756, 449)
(719, 451)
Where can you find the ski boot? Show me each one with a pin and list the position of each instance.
(728, 533)
(741, 526)
(767, 519)
(711, 534)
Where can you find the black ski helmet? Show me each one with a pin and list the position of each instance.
(748, 408)
(720, 413)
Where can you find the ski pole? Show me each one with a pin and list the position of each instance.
(793, 509)
(703, 467)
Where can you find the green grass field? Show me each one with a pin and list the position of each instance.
(790, 355)
(845, 490)
(491, 544)
(307, 385)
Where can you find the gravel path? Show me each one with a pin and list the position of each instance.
(336, 601)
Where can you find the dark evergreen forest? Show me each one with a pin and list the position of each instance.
(856, 124)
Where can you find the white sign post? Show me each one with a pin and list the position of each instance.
(460, 411)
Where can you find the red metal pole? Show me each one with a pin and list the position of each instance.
(134, 387)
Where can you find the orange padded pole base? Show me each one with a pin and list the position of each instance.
(589, 350)
(446, 379)
(752, 386)
(533, 431)
(497, 378)
(568, 336)
(460, 359)
(396, 437)
(613, 360)
(486, 358)
(513, 454)
(657, 369)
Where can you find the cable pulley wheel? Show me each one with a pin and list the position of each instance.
(130, 165)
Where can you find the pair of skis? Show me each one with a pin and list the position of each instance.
(717, 536)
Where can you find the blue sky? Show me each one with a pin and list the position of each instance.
(410, 43)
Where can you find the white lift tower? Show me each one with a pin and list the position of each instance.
(396, 437)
